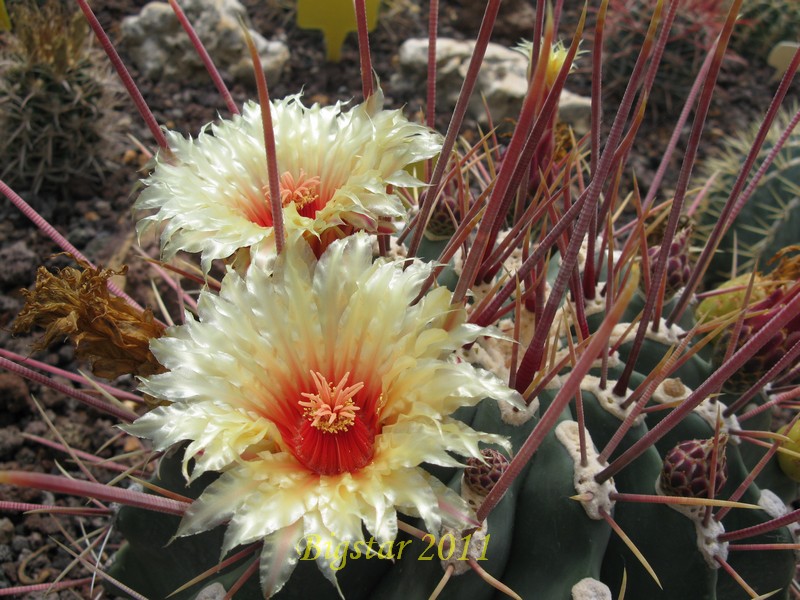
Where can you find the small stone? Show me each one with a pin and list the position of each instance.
(10, 440)
(19, 543)
(215, 591)
(19, 266)
(6, 531)
(14, 392)
(160, 48)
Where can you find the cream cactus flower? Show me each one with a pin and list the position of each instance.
(318, 389)
(211, 194)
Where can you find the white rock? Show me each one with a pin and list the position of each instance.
(160, 48)
(502, 80)
(590, 589)
(215, 591)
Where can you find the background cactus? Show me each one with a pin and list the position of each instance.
(57, 100)
(770, 220)
(618, 386)
(762, 25)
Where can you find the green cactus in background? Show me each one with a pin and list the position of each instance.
(617, 458)
(57, 100)
(770, 220)
(762, 25)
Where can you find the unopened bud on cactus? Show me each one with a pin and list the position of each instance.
(481, 477)
(722, 304)
(687, 468)
(679, 264)
(557, 58)
(441, 225)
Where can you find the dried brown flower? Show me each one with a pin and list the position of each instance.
(107, 331)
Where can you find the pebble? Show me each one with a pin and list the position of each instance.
(20, 543)
(19, 265)
(6, 533)
(10, 440)
(14, 392)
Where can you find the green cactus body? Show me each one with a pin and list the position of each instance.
(541, 542)
(419, 571)
(655, 347)
(155, 564)
(646, 522)
(556, 544)
(681, 569)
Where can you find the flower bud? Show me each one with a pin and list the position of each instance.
(687, 468)
(481, 477)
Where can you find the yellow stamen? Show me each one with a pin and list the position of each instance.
(331, 409)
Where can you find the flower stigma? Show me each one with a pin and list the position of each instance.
(304, 193)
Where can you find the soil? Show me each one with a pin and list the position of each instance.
(98, 220)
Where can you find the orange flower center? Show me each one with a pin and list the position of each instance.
(332, 429)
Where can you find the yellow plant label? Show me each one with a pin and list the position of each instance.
(336, 18)
(5, 22)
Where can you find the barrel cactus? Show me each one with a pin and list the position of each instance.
(57, 101)
(770, 220)
(357, 410)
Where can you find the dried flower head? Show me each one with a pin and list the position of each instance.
(211, 194)
(319, 389)
(107, 331)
